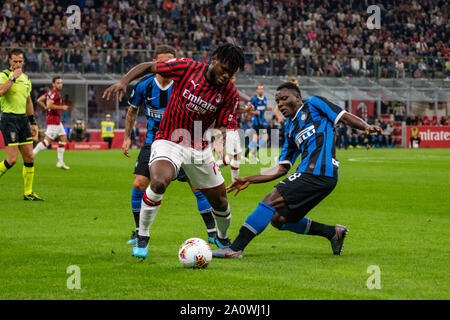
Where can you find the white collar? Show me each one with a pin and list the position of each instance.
(298, 111)
(160, 87)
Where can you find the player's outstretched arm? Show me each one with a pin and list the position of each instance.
(358, 123)
(273, 173)
(138, 71)
(129, 122)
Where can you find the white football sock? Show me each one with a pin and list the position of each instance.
(151, 202)
(60, 150)
(234, 165)
(40, 146)
(223, 221)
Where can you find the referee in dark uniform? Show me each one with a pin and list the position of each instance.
(309, 131)
(18, 124)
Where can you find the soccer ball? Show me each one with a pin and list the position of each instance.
(195, 253)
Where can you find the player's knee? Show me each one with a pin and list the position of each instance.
(29, 158)
(140, 183)
(220, 204)
(277, 221)
(158, 185)
(268, 199)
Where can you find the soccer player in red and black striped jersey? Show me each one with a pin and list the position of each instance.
(201, 95)
(51, 101)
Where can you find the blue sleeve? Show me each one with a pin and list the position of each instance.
(137, 95)
(253, 101)
(331, 110)
(290, 151)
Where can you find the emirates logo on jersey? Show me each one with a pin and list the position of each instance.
(197, 104)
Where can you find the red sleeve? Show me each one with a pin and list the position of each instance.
(173, 68)
(229, 107)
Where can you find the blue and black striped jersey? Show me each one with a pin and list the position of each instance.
(311, 133)
(260, 105)
(154, 97)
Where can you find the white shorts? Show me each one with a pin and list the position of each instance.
(233, 143)
(55, 130)
(199, 165)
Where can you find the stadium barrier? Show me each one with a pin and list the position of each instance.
(83, 146)
(119, 61)
(430, 136)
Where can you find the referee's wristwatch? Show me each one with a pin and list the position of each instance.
(11, 77)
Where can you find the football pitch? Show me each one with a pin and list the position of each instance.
(396, 204)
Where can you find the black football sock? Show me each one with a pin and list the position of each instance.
(143, 241)
(319, 229)
(243, 239)
(136, 218)
(209, 221)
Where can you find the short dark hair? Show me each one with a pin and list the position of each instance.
(16, 52)
(55, 78)
(290, 86)
(232, 54)
(162, 49)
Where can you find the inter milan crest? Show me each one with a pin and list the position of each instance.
(303, 117)
(13, 137)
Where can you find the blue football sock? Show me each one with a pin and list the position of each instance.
(252, 144)
(206, 211)
(258, 220)
(300, 227)
(202, 203)
(136, 198)
(255, 223)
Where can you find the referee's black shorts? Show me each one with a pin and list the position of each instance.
(302, 192)
(141, 168)
(15, 129)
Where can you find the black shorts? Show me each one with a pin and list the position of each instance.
(142, 168)
(260, 129)
(15, 129)
(302, 192)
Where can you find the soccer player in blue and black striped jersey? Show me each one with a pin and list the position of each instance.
(310, 132)
(259, 124)
(153, 91)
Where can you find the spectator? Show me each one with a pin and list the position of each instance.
(398, 110)
(307, 29)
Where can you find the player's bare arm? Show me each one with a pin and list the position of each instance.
(30, 114)
(358, 123)
(137, 72)
(40, 101)
(129, 122)
(270, 174)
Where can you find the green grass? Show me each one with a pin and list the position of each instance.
(394, 202)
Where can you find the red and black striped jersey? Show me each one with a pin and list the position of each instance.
(53, 115)
(194, 103)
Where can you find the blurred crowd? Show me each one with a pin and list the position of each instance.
(280, 37)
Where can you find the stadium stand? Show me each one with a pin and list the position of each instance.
(399, 70)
